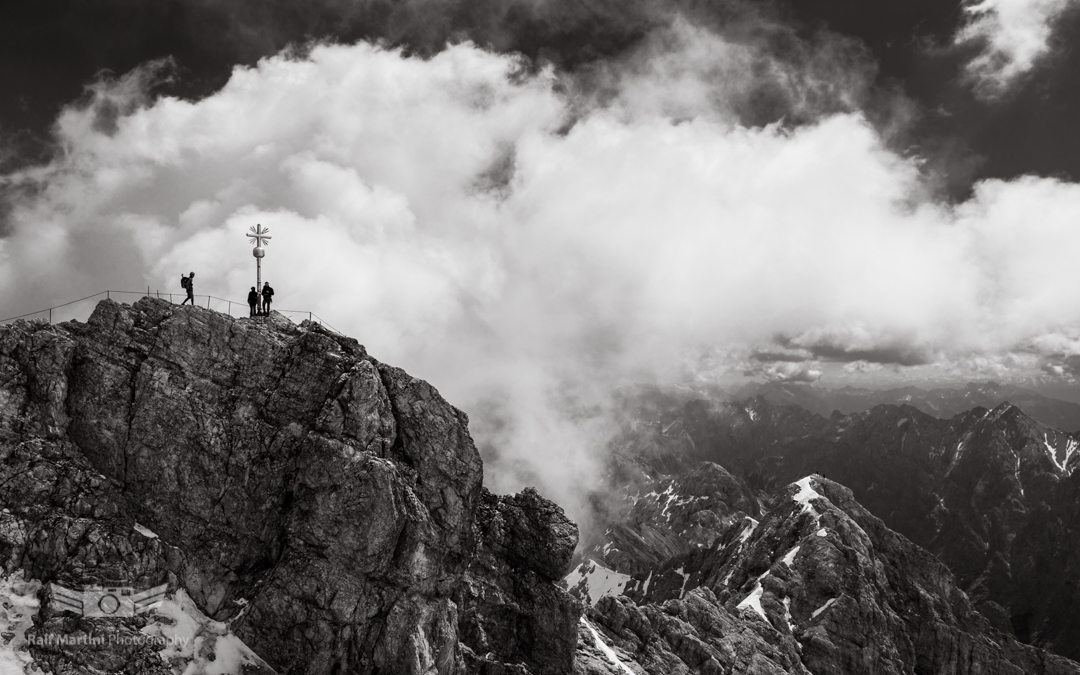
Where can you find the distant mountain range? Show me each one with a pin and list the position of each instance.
(942, 403)
(993, 493)
(816, 586)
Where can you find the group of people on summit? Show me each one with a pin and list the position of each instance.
(267, 298)
(187, 282)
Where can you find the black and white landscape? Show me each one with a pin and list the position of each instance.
(311, 509)
(649, 336)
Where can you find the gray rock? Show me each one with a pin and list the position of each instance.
(331, 498)
(819, 586)
(513, 614)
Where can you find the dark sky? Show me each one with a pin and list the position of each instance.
(50, 49)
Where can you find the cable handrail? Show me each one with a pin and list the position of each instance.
(48, 309)
(158, 294)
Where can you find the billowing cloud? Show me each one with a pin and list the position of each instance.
(1011, 37)
(528, 246)
(862, 367)
(791, 372)
(854, 342)
(755, 71)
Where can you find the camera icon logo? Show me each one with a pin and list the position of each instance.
(98, 601)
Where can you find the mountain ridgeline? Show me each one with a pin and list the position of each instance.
(323, 507)
(941, 402)
(991, 493)
(316, 511)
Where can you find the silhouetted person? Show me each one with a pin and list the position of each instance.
(188, 283)
(253, 301)
(268, 296)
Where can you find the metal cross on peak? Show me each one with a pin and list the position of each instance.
(259, 235)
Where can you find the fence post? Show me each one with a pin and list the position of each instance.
(107, 296)
(50, 315)
(208, 302)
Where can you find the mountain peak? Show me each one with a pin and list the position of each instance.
(807, 590)
(286, 477)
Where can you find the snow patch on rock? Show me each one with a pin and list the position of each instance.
(19, 603)
(144, 531)
(805, 494)
(593, 581)
(819, 610)
(753, 601)
(605, 648)
(192, 637)
(1070, 449)
(749, 530)
(685, 578)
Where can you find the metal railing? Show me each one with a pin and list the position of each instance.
(224, 304)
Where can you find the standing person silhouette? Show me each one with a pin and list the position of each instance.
(189, 284)
(268, 296)
(253, 301)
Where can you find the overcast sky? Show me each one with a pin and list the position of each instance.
(531, 202)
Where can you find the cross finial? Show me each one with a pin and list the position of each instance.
(259, 235)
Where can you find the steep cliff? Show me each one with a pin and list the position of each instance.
(992, 493)
(320, 504)
(818, 586)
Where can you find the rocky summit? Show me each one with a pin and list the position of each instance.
(320, 508)
(308, 509)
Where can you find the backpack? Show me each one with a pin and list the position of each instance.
(184, 281)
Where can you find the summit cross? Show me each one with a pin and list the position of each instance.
(260, 236)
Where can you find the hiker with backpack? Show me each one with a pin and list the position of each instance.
(188, 283)
(267, 297)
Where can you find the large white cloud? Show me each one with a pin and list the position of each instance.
(527, 249)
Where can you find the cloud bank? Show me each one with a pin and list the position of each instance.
(528, 241)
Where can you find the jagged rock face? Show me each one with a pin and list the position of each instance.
(696, 634)
(992, 493)
(322, 501)
(819, 586)
(666, 517)
(882, 604)
(515, 616)
(119, 649)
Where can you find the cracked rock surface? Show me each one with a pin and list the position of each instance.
(321, 502)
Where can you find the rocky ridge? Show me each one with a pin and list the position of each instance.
(320, 504)
(819, 586)
(942, 403)
(992, 493)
